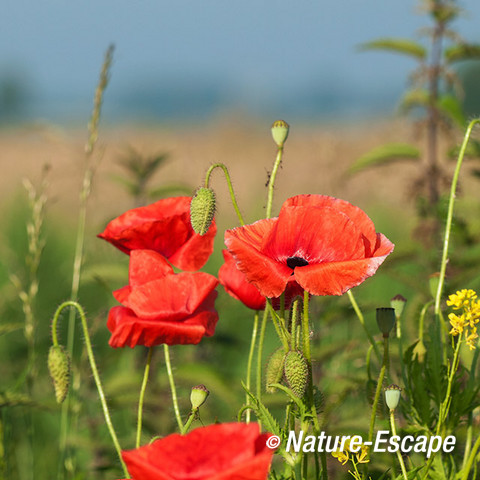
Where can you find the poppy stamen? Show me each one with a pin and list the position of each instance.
(293, 262)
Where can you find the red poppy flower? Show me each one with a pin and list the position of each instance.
(160, 306)
(229, 451)
(164, 227)
(325, 244)
(237, 286)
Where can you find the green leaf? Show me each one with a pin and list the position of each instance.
(397, 45)
(385, 154)
(10, 327)
(457, 53)
(414, 98)
(452, 108)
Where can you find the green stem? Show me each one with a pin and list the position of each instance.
(166, 351)
(230, 187)
(271, 181)
(471, 459)
(422, 319)
(93, 366)
(293, 334)
(279, 324)
(362, 321)
(308, 357)
(379, 388)
(249, 364)
(142, 396)
(448, 225)
(190, 420)
(399, 454)
(261, 341)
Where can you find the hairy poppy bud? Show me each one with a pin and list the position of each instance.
(392, 396)
(198, 396)
(296, 372)
(280, 130)
(202, 210)
(385, 320)
(59, 368)
(433, 282)
(274, 371)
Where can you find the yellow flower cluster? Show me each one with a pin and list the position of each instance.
(466, 320)
(344, 455)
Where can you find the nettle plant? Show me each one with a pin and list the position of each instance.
(316, 246)
(434, 100)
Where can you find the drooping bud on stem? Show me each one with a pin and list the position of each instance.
(280, 130)
(202, 210)
(59, 368)
(274, 371)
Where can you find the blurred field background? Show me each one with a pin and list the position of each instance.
(210, 98)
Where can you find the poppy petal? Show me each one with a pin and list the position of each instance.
(146, 265)
(268, 275)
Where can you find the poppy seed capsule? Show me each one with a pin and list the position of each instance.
(274, 371)
(392, 396)
(198, 396)
(59, 368)
(280, 130)
(296, 372)
(385, 320)
(202, 210)
(398, 304)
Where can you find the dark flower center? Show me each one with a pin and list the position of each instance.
(293, 262)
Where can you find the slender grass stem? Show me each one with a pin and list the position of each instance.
(379, 388)
(142, 396)
(471, 459)
(230, 187)
(253, 342)
(261, 340)
(93, 366)
(173, 390)
(362, 321)
(399, 454)
(448, 225)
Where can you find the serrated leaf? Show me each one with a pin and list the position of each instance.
(457, 53)
(385, 154)
(397, 45)
(411, 474)
(264, 414)
(452, 108)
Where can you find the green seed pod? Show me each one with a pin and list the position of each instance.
(296, 372)
(198, 396)
(433, 281)
(274, 371)
(392, 396)
(385, 320)
(59, 368)
(202, 210)
(318, 399)
(280, 130)
(398, 304)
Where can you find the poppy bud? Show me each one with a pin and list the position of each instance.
(202, 210)
(280, 130)
(198, 396)
(392, 396)
(296, 372)
(274, 371)
(385, 320)
(59, 368)
(419, 351)
(398, 304)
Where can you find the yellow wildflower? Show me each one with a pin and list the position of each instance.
(461, 299)
(465, 300)
(363, 454)
(341, 456)
(457, 322)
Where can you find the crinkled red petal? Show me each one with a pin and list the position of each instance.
(146, 266)
(216, 452)
(268, 275)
